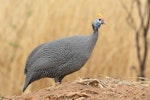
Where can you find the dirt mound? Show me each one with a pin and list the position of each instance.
(91, 89)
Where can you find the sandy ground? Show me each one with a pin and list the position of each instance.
(91, 89)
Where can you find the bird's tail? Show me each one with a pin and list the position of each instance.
(28, 80)
(31, 77)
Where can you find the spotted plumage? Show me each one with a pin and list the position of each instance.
(61, 57)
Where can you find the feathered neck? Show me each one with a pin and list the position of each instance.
(95, 29)
(93, 38)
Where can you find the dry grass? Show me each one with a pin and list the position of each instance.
(26, 24)
(110, 83)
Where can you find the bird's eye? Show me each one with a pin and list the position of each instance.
(99, 19)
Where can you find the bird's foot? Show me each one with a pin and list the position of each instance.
(58, 83)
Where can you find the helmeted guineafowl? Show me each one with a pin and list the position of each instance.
(61, 57)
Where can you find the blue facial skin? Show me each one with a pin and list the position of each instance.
(98, 23)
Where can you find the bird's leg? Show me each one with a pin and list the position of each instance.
(58, 80)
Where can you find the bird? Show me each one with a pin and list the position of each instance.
(61, 57)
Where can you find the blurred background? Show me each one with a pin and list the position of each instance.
(122, 50)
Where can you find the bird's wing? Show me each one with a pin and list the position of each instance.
(50, 55)
(30, 57)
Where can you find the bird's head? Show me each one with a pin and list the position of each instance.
(98, 22)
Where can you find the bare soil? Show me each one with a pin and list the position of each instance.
(91, 89)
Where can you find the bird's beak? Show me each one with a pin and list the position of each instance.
(103, 21)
